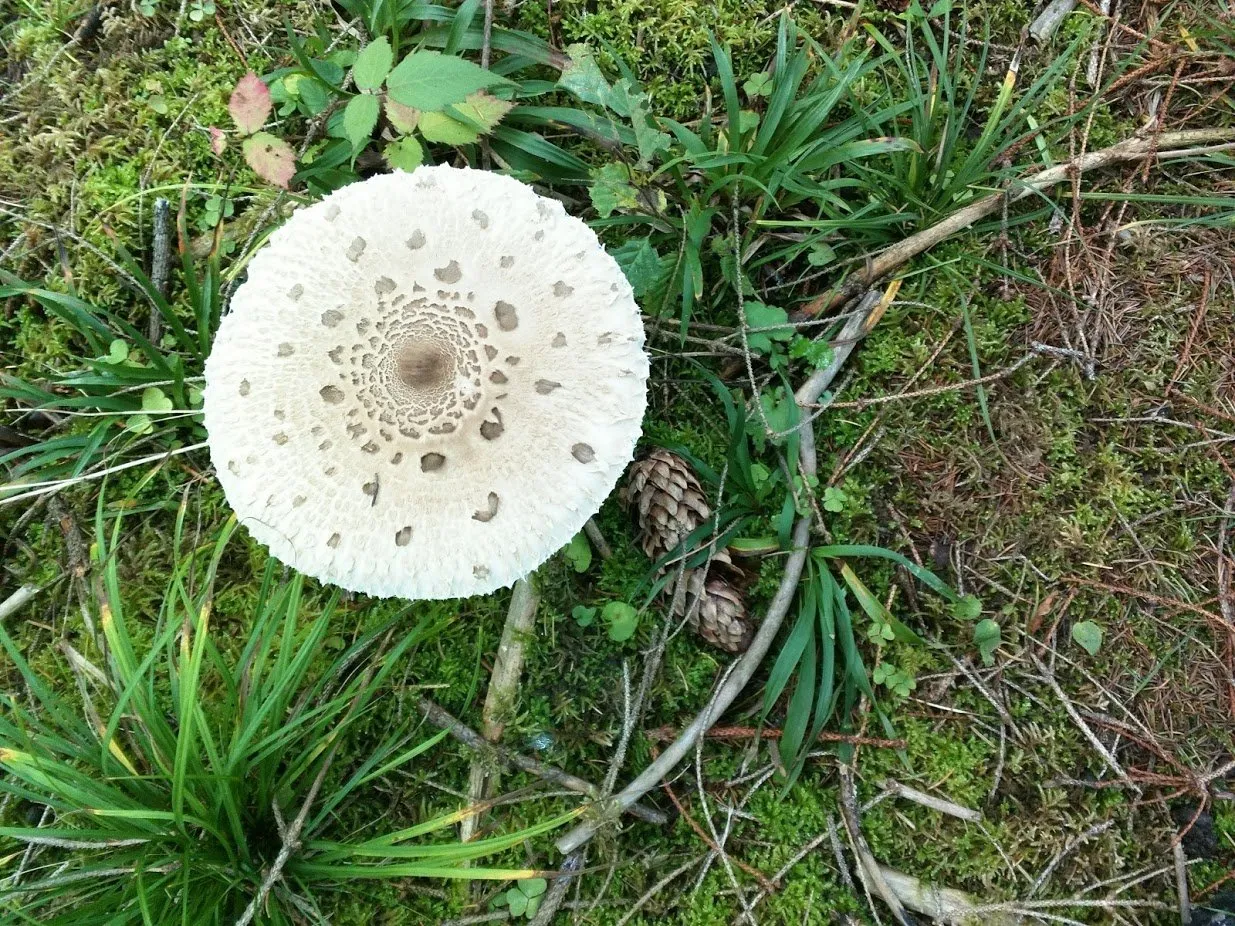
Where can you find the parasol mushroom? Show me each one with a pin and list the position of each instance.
(426, 385)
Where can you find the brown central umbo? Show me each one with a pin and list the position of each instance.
(424, 366)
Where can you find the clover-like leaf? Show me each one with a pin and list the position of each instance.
(758, 84)
(533, 887)
(583, 615)
(967, 608)
(986, 637)
(139, 424)
(578, 552)
(271, 158)
(1088, 636)
(117, 351)
(623, 620)
(155, 400)
(250, 104)
(518, 902)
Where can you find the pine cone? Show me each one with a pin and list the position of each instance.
(667, 503)
(666, 499)
(712, 601)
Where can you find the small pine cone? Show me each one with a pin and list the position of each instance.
(713, 602)
(666, 500)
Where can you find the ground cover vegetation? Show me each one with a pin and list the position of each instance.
(940, 316)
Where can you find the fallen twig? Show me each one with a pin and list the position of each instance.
(934, 803)
(16, 601)
(160, 262)
(666, 733)
(442, 719)
(1167, 145)
(502, 695)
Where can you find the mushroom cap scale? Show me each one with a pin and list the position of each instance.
(426, 385)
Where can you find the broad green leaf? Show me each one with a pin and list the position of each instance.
(639, 262)
(623, 620)
(117, 351)
(359, 118)
(403, 118)
(1088, 636)
(404, 154)
(429, 80)
(441, 128)
(611, 190)
(583, 78)
(583, 615)
(578, 552)
(250, 104)
(271, 158)
(987, 637)
(373, 64)
(771, 317)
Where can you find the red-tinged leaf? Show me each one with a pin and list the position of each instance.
(218, 141)
(250, 104)
(271, 158)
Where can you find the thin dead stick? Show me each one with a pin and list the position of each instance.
(744, 669)
(941, 904)
(443, 719)
(502, 695)
(666, 733)
(1167, 145)
(603, 550)
(18, 600)
(570, 869)
(934, 803)
(936, 390)
(869, 870)
(160, 262)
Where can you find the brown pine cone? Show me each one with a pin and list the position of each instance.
(712, 601)
(666, 500)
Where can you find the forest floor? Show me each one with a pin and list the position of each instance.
(1044, 416)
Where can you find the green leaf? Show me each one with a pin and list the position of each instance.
(403, 118)
(758, 84)
(772, 317)
(483, 111)
(818, 353)
(834, 499)
(429, 80)
(154, 400)
(820, 255)
(533, 887)
(1088, 636)
(139, 424)
(583, 615)
(584, 79)
(373, 64)
(271, 158)
(640, 263)
(987, 637)
(404, 153)
(439, 127)
(518, 902)
(578, 552)
(533, 905)
(611, 190)
(359, 118)
(117, 351)
(623, 620)
(967, 608)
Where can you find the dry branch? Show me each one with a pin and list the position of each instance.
(1167, 145)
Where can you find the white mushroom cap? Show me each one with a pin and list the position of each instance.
(426, 385)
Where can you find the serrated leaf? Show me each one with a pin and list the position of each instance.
(373, 64)
(441, 128)
(430, 80)
(359, 118)
(611, 191)
(578, 552)
(584, 79)
(271, 158)
(483, 109)
(404, 154)
(986, 637)
(640, 263)
(250, 103)
(155, 400)
(1088, 636)
(403, 118)
(623, 620)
